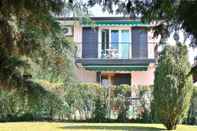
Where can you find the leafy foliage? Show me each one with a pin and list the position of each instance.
(32, 43)
(35, 103)
(192, 116)
(172, 86)
(33, 49)
(121, 94)
(80, 98)
(100, 111)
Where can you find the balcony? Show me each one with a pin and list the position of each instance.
(115, 50)
(115, 56)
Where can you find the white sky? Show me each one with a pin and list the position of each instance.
(97, 12)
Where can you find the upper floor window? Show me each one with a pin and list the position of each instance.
(115, 43)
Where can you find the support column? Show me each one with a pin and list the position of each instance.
(131, 83)
(109, 97)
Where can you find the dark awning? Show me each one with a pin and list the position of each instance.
(116, 68)
(132, 23)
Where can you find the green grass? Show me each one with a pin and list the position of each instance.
(46, 126)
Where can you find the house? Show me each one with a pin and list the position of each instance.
(113, 50)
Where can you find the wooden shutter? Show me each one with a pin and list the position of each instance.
(89, 43)
(139, 43)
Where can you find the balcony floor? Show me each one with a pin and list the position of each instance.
(96, 61)
(114, 64)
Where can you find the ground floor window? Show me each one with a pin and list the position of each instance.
(108, 79)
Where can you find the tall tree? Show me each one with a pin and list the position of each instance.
(172, 86)
(29, 33)
(21, 21)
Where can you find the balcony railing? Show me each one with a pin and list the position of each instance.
(113, 50)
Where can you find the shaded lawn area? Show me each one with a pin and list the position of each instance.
(52, 126)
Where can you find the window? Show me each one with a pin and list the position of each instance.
(125, 44)
(114, 39)
(115, 43)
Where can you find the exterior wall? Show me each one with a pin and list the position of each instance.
(77, 34)
(152, 42)
(138, 78)
(85, 76)
(143, 77)
(78, 38)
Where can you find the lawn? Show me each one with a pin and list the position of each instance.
(46, 126)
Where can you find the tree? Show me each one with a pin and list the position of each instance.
(24, 24)
(32, 47)
(192, 116)
(172, 86)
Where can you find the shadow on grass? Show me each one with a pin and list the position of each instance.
(100, 127)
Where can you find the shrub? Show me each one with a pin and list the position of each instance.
(12, 104)
(192, 115)
(100, 111)
(80, 98)
(145, 94)
(122, 92)
(32, 103)
(172, 86)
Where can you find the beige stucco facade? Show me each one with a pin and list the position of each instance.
(143, 78)
(83, 75)
(138, 78)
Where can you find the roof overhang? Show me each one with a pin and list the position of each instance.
(107, 21)
(131, 23)
(115, 64)
(116, 68)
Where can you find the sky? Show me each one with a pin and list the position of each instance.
(97, 12)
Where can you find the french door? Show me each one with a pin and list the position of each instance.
(104, 42)
(124, 44)
(118, 41)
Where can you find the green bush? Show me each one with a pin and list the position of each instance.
(172, 86)
(121, 94)
(192, 115)
(145, 94)
(80, 98)
(33, 103)
(12, 103)
(100, 111)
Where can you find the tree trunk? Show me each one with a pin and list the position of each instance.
(170, 125)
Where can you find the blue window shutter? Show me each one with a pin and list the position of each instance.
(89, 43)
(139, 43)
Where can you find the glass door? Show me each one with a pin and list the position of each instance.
(114, 53)
(104, 43)
(114, 39)
(124, 44)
